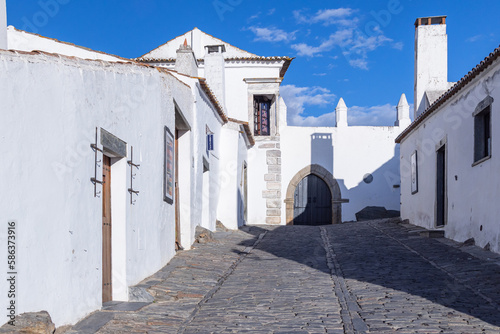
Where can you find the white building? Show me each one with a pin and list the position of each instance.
(450, 153)
(85, 241)
(110, 164)
(357, 165)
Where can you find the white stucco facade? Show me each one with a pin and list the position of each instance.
(60, 224)
(470, 187)
(349, 154)
(449, 154)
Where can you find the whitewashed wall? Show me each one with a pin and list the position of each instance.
(26, 41)
(348, 153)
(257, 168)
(472, 191)
(232, 159)
(45, 141)
(200, 115)
(205, 117)
(237, 88)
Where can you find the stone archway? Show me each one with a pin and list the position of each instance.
(332, 184)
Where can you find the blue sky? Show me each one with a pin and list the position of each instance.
(359, 50)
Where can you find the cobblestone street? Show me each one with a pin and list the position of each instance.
(371, 277)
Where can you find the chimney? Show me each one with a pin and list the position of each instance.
(215, 71)
(3, 25)
(341, 114)
(431, 60)
(403, 109)
(186, 63)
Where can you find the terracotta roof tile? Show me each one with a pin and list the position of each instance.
(248, 132)
(213, 99)
(286, 65)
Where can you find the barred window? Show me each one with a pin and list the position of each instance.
(262, 107)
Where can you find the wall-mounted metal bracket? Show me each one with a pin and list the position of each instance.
(132, 176)
(94, 179)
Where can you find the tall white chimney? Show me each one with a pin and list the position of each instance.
(3, 25)
(431, 61)
(215, 70)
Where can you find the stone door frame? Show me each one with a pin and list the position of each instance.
(330, 181)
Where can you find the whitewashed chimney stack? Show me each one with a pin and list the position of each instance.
(341, 114)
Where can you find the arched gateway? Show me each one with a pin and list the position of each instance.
(313, 198)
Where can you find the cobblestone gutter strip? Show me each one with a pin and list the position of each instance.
(435, 265)
(219, 283)
(353, 323)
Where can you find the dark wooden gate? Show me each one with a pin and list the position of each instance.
(106, 230)
(312, 202)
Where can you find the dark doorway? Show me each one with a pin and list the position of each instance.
(107, 292)
(245, 193)
(176, 194)
(441, 187)
(312, 202)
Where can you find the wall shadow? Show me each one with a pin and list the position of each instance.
(384, 262)
(366, 254)
(380, 185)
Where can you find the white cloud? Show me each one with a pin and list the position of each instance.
(339, 16)
(348, 37)
(271, 11)
(298, 98)
(474, 38)
(361, 63)
(272, 34)
(253, 17)
(339, 38)
(398, 46)
(384, 115)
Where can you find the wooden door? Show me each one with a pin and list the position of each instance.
(178, 245)
(245, 193)
(312, 202)
(441, 187)
(106, 230)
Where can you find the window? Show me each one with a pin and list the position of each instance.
(262, 109)
(482, 134)
(414, 173)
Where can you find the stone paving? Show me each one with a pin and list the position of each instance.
(370, 277)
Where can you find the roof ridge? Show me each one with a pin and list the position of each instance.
(195, 28)
(70, 44)
(128, 62)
